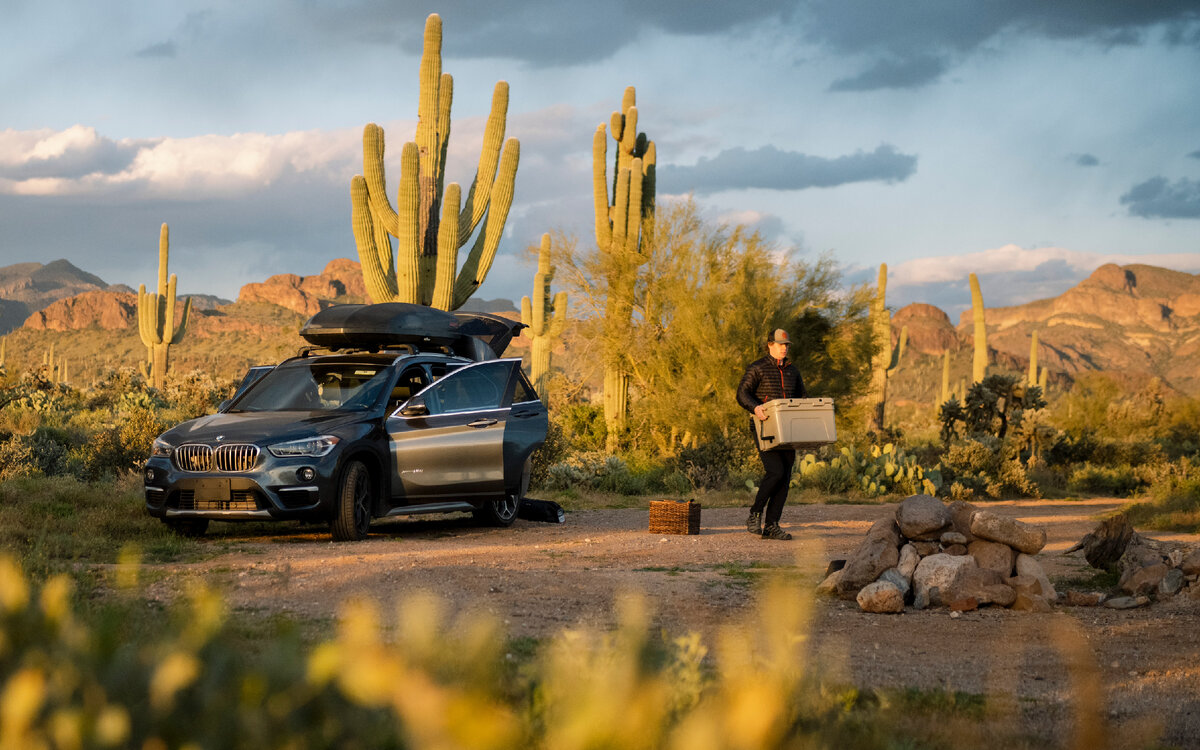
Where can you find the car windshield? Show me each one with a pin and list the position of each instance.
(316, 386)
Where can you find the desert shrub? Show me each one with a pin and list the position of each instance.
(122, 447)
(829, 479)
(551, 452)
(1104, 479)
(717, 462)
(1174, 505)
(595, 471)
(582, 425)
(195, 394)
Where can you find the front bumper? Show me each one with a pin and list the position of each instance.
(274, 489)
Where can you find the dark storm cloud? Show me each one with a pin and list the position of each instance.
(1156, 198)
(162, 49)
(901, 39)
(542, 32)
(1194, 155)
(1086, 160)
(773, 169)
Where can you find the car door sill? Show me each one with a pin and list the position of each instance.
(447, 507)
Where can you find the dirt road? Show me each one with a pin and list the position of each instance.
(540, 578)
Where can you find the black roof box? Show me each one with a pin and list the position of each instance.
(390, 323)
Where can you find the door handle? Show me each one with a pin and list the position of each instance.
(524, 414)
(481, 423)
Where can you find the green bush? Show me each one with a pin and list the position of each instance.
(123, 447)
(1117, 481)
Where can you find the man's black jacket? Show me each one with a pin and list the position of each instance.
(766, 380)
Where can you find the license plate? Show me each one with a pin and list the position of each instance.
(211, 490)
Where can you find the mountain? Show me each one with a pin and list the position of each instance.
(26, 288)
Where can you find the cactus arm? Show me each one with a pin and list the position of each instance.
(634, 210)
(445, 99)
(979, 362)
(600, 188)
(447, 255)
(146, 310)
(898, 352)
(649, 186)
(527, 314)
(479, 260)
(427, 139)
(168, 320)
(559, 321)
(380, 283)
(164, 253)
(489, 158)
(945, 377)
(620, 217)
(376, 183)
(183, 321)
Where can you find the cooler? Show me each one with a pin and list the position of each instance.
(795, 423)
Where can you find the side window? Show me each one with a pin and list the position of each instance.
(411, 381)
(475, 388)
(524, 391)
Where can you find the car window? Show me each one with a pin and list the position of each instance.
(411, 381)
(524, 391)
(473, 388)
(317, 386)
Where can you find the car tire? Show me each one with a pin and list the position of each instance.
(189, 527)
(503, 511)
(352, 516)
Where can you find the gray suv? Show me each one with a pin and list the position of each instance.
(396, 409)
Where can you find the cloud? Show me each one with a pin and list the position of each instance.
(1155, 198)
(1008, 275)
(1086, 160)
(70, 153)
(1194, 155)
(162, 49)
(902, 41)
(774, 169)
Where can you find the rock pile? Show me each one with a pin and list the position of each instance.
(932, 554)
(1152, 570)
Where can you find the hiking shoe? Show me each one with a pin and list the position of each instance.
(772, 531)
(754, 523)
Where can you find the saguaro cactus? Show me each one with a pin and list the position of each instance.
(945, 377)
(1032, 377)
(887, 358)
(545, 318)
(624, 234)
(979, 362)
(156, 315)
(428, 223)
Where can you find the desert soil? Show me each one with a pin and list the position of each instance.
(1143, 665)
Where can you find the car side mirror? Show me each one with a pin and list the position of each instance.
(415, 408)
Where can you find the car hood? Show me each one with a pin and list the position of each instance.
(259, 427)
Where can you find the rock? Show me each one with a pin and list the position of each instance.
(1019, 535)
(999, 594)
(966, 604)
(993, 555)
(1143, 581)
(985, 586)
(1024, 584)
(921, 598)
(1141, 553)
(1084, 598)
(882, 597)
(1190, 565)
(1127, 602)
(111, 311)
(1194, 591)
(1027, 565)
(895, 577)
(909, 557)
(922, 517)
(1031, 603)
(1171, 584)
(834, 565)
(828, 587)
(878, 552)
(308, 295)
(955, 549)
(1106, 543)
(960, 518)
(925, 549)
(949, 538)
(946, 573)
(929, 328)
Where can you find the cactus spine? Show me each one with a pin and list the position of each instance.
(979, 363)
(545, 318)
(887, 358)
(156, 316)
(624, 235)
(428, 222)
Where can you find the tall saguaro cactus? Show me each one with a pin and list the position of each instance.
(428, 222)
(156, 315)
(624, 234)
(979, 362)
(887, 358)
(1032, 376)
(545, 318)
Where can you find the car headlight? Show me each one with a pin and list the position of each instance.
(314, 446)
(162, 448)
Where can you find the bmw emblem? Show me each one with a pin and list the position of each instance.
(220, 438)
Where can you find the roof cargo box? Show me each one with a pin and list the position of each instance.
(477, 336)
(796, 423)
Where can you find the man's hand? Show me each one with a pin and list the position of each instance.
(761, 413)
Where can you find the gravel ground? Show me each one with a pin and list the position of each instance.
(1143, 665)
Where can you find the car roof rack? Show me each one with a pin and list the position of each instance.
(308, 351)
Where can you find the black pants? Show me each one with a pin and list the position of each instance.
(773, 490)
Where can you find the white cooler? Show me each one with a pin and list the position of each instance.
(795, 423)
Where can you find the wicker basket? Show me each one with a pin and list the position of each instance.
(674, 517)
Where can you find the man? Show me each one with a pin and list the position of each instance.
(765, 380)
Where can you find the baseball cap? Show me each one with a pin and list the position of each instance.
(779, 336)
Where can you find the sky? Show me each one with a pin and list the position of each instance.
(1029, 141)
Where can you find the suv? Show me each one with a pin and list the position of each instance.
(396, 409)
